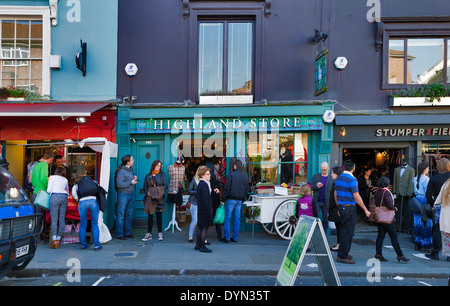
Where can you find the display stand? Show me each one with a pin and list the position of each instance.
(309, 230)
(173, 222)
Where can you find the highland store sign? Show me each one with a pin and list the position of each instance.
(297, 123)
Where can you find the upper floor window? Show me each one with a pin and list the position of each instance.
(419, 61)
(416, 51)
(225, 62)
(21, 51)
(25, 48)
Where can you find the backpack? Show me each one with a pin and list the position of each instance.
(87, 187)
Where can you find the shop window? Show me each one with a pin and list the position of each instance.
(278, 158)
(225, 57)
(433, 151)
(25, 48)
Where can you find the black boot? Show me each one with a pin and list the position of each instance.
(433, 255)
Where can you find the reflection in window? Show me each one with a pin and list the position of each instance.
(396, 61)
(210, 57)
(448, 61)
(240, 58)
(426, 66)
(278, 158)
(225, 66)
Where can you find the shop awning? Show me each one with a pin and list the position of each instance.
(66, 109)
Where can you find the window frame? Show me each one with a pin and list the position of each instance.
(41, 13)
(216, 12)
(226, 21)
(410, 28)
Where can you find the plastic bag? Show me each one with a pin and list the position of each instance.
(220, 215)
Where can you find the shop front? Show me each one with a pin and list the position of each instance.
(383, 143)
(278, 143)
(28, 130)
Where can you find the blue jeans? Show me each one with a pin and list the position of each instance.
(194, 221)
(124, 214)
(232, 208)
(83, 208)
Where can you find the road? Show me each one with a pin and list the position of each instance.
(204, 281)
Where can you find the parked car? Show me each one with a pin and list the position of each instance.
(18, 225)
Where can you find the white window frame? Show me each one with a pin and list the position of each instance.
(44, 13)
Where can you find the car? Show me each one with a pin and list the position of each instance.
(19, 229)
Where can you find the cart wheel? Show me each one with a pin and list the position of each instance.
(269, 228)
(284, 219)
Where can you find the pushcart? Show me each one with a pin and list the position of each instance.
(277, 214)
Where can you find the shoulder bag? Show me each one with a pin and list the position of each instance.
(383, 214)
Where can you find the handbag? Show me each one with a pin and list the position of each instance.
(220, 215)
(43, 199)
(383, 214)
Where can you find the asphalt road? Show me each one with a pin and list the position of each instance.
(204, 281)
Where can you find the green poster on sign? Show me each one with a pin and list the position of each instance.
(308, 231)
(320, 74)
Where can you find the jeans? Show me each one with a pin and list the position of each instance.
(58, 207)
(322, 206)
(232, 208)
(193, 210)
(92, 206)
(124, 214)
(392, 232)
(348, 223)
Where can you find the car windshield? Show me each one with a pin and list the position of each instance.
(10, 191)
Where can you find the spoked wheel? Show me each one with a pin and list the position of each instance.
(284, 219)
(269, 228)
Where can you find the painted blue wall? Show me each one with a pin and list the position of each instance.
(95, 22)
(97, 26)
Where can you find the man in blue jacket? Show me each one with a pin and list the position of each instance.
(234, 193)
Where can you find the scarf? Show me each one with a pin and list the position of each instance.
(155, 172)
(207, 182)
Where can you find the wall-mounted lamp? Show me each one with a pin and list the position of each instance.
(81, 119)
(318, 37)
(81, 58)
(342, 132)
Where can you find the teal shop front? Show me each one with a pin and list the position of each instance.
(280, 142)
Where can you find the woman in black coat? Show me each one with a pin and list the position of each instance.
(204, 206)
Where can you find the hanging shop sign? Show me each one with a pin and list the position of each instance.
(298, 123)
(320, 74)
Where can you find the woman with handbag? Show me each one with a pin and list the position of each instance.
(384, 199)
(155, 186)
(423, 224)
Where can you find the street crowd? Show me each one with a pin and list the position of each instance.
(337, 198)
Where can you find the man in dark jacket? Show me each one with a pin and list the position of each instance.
(234, 193)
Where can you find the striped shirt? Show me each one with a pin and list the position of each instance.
(346, 184)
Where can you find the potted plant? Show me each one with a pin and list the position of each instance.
(429, 95)
(4, 93)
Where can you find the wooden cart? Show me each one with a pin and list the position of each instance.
(277, 216)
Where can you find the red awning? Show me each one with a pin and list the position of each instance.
(66, 109)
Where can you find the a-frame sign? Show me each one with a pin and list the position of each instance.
(309, 230)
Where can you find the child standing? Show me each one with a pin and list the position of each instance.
(304, 202)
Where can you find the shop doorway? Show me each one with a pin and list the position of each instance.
(382, 161)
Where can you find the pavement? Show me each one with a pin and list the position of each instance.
(254, 254)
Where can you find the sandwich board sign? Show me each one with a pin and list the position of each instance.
(308, 230)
